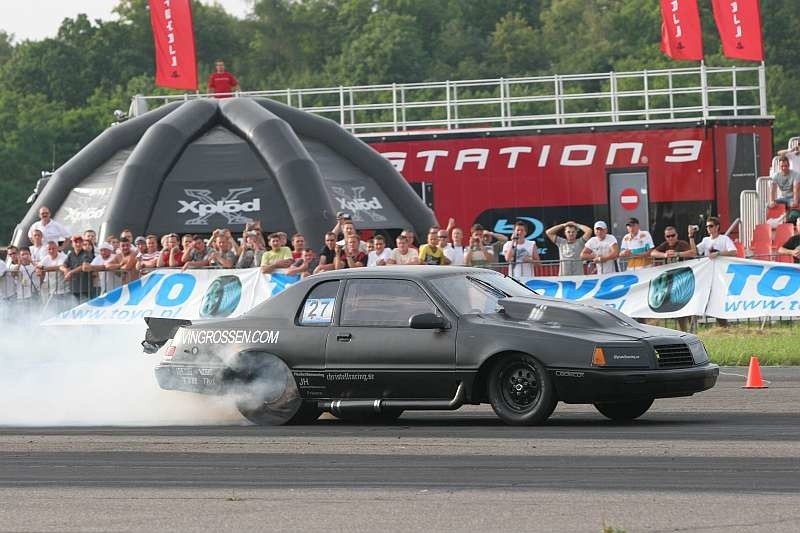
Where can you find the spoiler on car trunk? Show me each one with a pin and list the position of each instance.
(159, 331)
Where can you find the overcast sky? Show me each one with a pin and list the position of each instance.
(37, 19)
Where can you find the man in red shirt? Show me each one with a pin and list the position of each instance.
(221, 81)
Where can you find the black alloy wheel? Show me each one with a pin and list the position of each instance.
(520, 390)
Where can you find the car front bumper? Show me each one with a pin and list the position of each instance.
(608, 385)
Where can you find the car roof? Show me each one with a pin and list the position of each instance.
(418, 272)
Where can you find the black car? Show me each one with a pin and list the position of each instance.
(369, 343)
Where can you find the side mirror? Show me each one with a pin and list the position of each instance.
(428, 321)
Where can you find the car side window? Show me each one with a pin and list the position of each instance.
(383, 302)
(318, 306)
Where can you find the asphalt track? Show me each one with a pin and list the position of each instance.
(724, 460)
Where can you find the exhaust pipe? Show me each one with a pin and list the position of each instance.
(343, 407)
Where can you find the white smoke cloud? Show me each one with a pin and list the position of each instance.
(74, 376)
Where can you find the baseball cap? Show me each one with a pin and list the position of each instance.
(139, 239)
(106, 246)
(632, 220)
(600, 224)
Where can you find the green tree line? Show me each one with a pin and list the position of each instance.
(57, 94)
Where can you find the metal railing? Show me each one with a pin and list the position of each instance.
(751, 211)
(53, 294)
(666, 95)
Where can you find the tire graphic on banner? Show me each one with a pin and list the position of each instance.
(222, 297)
(671, 290)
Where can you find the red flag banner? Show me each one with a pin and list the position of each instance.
(739, 26)
(681, 33)
(173, 35)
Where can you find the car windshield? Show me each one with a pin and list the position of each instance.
(480, 292)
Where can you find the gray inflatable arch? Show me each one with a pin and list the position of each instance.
(312, 165)
(82, 164)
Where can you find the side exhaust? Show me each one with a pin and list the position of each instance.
(343, 407)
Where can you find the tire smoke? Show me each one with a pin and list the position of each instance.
(91, 375)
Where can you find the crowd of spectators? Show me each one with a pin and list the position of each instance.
(60, 265)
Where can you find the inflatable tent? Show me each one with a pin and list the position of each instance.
(191, 167)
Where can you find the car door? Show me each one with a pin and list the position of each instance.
(307, 349)
(372, 352)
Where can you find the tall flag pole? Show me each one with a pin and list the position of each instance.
(681, 33)
(739, 26)
(173, 35)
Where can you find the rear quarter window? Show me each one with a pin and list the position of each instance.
(319, 304)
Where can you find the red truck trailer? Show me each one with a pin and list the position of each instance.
(663, 174)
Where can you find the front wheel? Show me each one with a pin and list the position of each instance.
(624, 411)
(520, 391)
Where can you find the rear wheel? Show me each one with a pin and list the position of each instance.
(266, 392)
(520, 391)
(624, 411)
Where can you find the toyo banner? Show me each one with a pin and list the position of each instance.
(191, 295)
(666, 291)
(724, 287)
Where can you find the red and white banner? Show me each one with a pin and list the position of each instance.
(739, 26)
(173, 35)
(681, 33)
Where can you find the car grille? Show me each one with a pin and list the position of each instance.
(674, 356)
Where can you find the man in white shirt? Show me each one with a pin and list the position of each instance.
(636, 245)
(51, 229)
(602, 249)
(27, 281)
(403, 255)
(455, 250)
(521, 254)
(381, 255)
(6, 286)
(716, 244)
(106, 269)
(38, 248)
(785, 185)
(50, 271)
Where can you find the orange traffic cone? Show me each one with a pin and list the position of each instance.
(754, 379)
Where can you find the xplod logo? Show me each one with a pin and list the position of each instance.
(356, 204)
(228, 206)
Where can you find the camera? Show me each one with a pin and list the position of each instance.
(695, 228)
(343, 215)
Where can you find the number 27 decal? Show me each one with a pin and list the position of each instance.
(318, 311)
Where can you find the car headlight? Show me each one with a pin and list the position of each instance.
(699, 354)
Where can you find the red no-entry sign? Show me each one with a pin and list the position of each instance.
(629, 199)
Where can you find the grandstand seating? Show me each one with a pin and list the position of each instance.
(782, 234)
(761, 234)
(761, 250)
(777, 212)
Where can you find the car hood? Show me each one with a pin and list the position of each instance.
(598, 323)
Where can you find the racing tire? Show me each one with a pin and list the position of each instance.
(520, 391)
(266, 392)
(624, 411)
